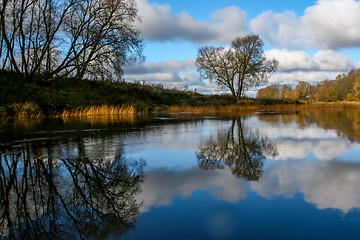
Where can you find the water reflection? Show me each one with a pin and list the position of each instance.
(52, 198)
(161, 186)
(346, 123)
(78, 180)
(239, 149)
(330, 184)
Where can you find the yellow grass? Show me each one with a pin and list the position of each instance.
(233, 109)
(102, 110)
(230, 109)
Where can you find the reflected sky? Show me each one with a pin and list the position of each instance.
(330, 184)
(310, 187)
(223, 177)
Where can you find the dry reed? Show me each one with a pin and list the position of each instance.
(26, 110)
(233, 109)
(102, 110)
(230, 109)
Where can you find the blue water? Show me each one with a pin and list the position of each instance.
(285, 176)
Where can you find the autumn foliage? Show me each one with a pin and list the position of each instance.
(346, 87)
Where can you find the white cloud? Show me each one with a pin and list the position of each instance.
(160, 67)
(171, 73)
(330, 24)
(280, 29)
(333, 23)
(331, 148)
(323, 60)
(326, 184)
(293, 142)
(297, 65)
(323, 149)
(160, 187)
(159, 23)
(290, 61)
(293, 78)
(293, 149)
(294, 66)
(329, 60)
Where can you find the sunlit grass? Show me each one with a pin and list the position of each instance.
(106, 110)
(230, 109)
(102, 110)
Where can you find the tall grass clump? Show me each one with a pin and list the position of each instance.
(22, 110)
(103, 110)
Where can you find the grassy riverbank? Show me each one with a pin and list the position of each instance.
(70, 97)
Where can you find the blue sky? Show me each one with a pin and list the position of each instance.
(312, 40)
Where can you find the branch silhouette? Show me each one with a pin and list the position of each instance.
(49, 198)
(237, 148)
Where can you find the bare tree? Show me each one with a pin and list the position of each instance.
(56, 38)
(237, 68)
(237, 148)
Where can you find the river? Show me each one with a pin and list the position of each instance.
(265, 175)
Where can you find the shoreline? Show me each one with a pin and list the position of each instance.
(30, 111)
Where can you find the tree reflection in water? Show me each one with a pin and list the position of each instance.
(239, 149)
(49, 198)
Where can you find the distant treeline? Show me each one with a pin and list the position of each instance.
(346, 87)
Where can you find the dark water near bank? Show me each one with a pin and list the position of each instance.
(256, 176)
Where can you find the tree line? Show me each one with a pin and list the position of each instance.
(346, 87)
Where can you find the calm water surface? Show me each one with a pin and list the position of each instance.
(255, 176)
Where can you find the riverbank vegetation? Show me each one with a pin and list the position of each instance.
(69, 97)
(346, 87)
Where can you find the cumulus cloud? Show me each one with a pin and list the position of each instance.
(160, 67)
(323, 60)
(160, 186)
(326, 184)
(159, 23)
(294, 142)
(280, 29)
(294, 77)
(323, 149)
(294, 66)
(292, 60)
(180, 74)
(169, 73)
(330, 24)
(333, 23)
(329, 60)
